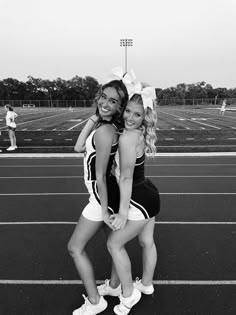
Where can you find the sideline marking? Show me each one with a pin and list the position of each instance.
(156, 282)
(81, 155)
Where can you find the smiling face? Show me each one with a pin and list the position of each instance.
(108, 103)
(133, 115)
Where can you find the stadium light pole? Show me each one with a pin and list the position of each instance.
(126, 43)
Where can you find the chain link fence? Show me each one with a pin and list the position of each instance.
(47, 103)
(88, 103)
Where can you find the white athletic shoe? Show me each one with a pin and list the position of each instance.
(146, 289)
(127, 303)
(15, 146)
(91, 309)
(11, 148)
(106, 289)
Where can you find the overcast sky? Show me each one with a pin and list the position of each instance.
(174, 41)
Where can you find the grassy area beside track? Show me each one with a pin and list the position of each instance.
(168, 141)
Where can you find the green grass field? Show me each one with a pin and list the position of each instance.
(180, 129)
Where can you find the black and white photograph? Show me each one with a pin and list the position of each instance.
(118, 157)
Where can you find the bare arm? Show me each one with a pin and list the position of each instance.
(127, 155)
(103, 140)
(80, 143)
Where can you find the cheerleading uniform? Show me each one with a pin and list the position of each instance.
(145, 201)
(93, 211)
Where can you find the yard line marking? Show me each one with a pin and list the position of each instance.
(77, 193)
(78, 124)
(194, 121)
(36, 119)
(156, 282)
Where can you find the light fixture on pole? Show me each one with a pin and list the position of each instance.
(126, 43)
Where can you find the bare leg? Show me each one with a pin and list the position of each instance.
(149, 252)
(114, 281)
(11, 137)
(116, 246)
(14, 138)
(84, 231)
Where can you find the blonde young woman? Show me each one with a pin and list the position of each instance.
(139, 202)
(99, 141)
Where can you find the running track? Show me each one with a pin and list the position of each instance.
(41, 199)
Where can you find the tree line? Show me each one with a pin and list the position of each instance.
(79, 88)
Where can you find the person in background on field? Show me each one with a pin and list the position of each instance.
(223, 107)
(11, 125)
(139, 202)
(99, 141)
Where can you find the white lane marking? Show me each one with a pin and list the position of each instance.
(77, 193)
(156, 282)
(81, 155)
(151, 176)
(147, 165)
(157, 222)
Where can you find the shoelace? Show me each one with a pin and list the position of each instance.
(123, 308)
(86, 303)
(106, 284)
(137, 280)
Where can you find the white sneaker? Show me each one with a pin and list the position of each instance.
(146, 289)
(106, 289)
(91, 309)
(15, 146)
(11, 148)
(127, 303)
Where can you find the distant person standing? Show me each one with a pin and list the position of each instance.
(11, 125)
(223, 107)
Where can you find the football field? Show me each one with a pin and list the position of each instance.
(180, 129)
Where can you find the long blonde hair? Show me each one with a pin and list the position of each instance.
(149, 125)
